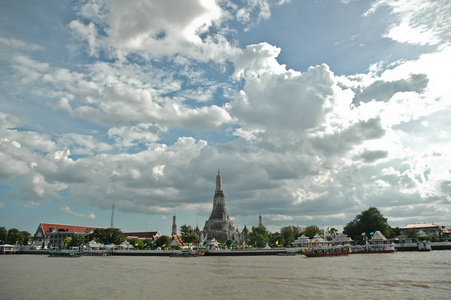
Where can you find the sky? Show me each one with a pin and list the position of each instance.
(313, 111)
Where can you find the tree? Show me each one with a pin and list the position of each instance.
(67, 241)
(185, 230)
(333, 231)
(163, 241)
(77, 240)
(26, 237)
(412, 233)
(14, 236)
(259, 236)
(190, 238)
(108, 235)
(276, 239)
(3, 235)
(366, 222)
(431, 238)
(289, 233)
(229, 243)
(311, 231)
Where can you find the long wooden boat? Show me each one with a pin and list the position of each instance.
(187, 254)
(66, 253)
(327, 251)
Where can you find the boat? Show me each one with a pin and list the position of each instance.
(188, 254)
(320, 251)
(377, 244)
(63, 253)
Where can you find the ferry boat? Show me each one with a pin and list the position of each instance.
(377, 244)
(328, 251)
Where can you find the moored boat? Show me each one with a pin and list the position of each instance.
(188, 254)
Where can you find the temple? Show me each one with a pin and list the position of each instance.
(219, 226)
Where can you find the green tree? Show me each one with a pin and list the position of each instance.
(67, 241)
(190, 238)
(333, 231)
(229, 243)
(289, 233)
(26, 237)
(311, 231)
(431, 238)
(14, 236)
(276, 239)
(108, 236)
(185, 230)
(412, 233)
(3, 235)
(77, 240)
(366, 222)
(163, 241)
(259, 236)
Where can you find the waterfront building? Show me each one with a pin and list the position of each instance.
(53, 235)
(423, 228)
(219, 226)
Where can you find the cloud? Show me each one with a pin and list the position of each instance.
(418, 22)
(152, 28)
(68, 210)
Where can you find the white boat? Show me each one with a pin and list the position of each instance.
(377, 244)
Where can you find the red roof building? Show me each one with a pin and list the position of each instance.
(53, 235)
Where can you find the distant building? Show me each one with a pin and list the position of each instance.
(53, 235)
(219, 226)
(144, 235)
(422, 228)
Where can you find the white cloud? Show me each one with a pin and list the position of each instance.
(423, 22)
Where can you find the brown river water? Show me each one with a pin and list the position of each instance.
(401, 275)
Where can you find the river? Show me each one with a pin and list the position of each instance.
(401, 275)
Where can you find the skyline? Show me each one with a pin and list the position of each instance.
(313, 111)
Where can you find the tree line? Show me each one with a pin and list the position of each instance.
(13, 236)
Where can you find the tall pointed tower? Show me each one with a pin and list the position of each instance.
(219, 226)
(174, 226)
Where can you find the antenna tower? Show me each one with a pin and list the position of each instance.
(112, 216)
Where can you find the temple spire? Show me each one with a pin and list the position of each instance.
(218, 182)
(174, 226)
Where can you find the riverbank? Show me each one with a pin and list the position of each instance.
(234, 252)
